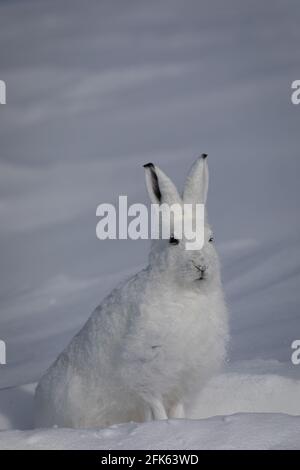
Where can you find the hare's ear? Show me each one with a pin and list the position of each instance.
(196, 186)
(160, 188)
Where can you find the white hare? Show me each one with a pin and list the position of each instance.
(151, 345)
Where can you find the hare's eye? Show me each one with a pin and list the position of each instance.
(211, 239)
(173, 241)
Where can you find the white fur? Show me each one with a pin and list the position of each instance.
(152, 344)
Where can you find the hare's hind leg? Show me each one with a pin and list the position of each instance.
(177, 411)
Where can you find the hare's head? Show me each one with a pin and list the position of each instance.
(194, 267)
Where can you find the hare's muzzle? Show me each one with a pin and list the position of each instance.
(201, 268)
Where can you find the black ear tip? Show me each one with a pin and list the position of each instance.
(148, 165)
(204, 156)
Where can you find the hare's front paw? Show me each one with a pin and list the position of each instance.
(177, 411)
(154, 409)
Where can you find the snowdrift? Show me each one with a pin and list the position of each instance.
(241, 431)
(255, 412)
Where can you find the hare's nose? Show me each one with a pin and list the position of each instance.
(202, 268)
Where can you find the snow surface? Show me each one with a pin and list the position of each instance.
(241, 431)
(261, 397)
(93, 94)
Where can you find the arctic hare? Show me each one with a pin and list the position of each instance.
(151, 345)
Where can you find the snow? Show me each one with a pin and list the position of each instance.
(16, 407)
(236, 392)
(240, 431)
(93, 94)
(234, 411)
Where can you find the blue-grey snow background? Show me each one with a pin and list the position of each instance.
(95, 90)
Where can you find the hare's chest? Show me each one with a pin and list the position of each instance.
(172, 344)
(178, 330)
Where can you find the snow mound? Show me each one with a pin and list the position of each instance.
(16, 407)
(263, 389)
(232, 393)
(241, 431)
(235, 410)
